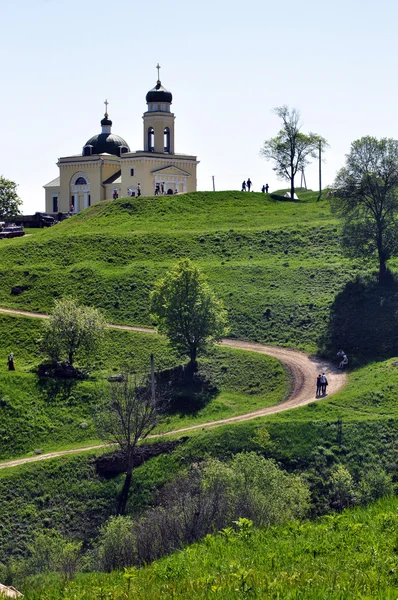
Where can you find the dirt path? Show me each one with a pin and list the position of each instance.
(303, 370)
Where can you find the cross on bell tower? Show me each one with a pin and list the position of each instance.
(159, 120)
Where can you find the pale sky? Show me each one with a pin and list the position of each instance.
(227, 64)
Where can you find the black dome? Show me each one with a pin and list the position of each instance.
(107, 142)
(159, 94)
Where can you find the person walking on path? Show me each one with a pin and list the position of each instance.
(244, 186)
(10, 362)
(318, 385)
(324, 383)
(248, 184)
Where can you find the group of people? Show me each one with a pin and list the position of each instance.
(321, 384)
(343, 359)
(247, 185)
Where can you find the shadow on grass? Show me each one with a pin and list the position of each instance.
(55, 390)
(363, 321)
(188, 392)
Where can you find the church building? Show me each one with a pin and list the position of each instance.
(107, 169)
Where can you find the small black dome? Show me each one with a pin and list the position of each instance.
(159, 94)
(106, 121)
(107, 142)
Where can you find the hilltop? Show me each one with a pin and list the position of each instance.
(276, 265)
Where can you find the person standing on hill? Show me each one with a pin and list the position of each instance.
(324, 383)
(266, 188)
(318, 385)
(263, 189)
(248, 184)
(10, 362)
(244, 186)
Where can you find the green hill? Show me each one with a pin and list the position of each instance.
(346, 556)
(279, 269)
(276, 265)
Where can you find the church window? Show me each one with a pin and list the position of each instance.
(87, 150)
(151, 139)
(131, 172)
(80, 181)
(55, 204)
(166, 136)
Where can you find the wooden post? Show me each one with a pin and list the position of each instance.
(320, 170)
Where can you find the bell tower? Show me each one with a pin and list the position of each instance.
(158, 120)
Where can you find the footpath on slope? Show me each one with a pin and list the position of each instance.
(302, 368)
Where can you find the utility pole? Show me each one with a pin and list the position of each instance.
(320, 170)
(214, 185)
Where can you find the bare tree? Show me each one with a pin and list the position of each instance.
(129, 411)
(291, 150)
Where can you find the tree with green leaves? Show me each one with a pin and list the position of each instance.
(9, 200)
(187, 311)
(291, 150)
(366, 199)
(72, 331)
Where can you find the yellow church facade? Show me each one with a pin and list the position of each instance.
(107, 169)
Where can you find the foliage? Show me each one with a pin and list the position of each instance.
(345, 556)
(291, 150)
(212, 496)
(9, 199)
(187, 310)
(366, 198)
(71, 331)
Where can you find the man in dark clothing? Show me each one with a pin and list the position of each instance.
(266, 188)
(248, 184)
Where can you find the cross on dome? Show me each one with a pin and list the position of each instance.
(158, 68)
(106, 107)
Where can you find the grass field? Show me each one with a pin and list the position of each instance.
(276, 265)
(346, 556)
(280, 271)
(39, 413)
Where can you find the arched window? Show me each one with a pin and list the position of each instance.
(166, 138)
(151, 139)
(87, 150)
(80, 181)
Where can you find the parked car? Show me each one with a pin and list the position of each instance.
(11, 231)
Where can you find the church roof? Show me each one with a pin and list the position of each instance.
(54, 183)
(159, 94)
(107, 143)
(114, 178)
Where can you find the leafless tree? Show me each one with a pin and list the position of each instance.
(129, 410)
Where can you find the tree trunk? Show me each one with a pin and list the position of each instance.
(193, 365)
(124, 494)
(382, 259)
(292, 187)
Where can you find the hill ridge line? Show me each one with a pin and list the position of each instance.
(302, 368)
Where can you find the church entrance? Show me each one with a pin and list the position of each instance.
(170, 191)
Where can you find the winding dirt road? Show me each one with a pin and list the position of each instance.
(302, 368)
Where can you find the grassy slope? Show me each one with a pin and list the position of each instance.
(40, 413)
(277, 265)
(346, 556)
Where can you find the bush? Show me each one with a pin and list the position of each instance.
(208, 498)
